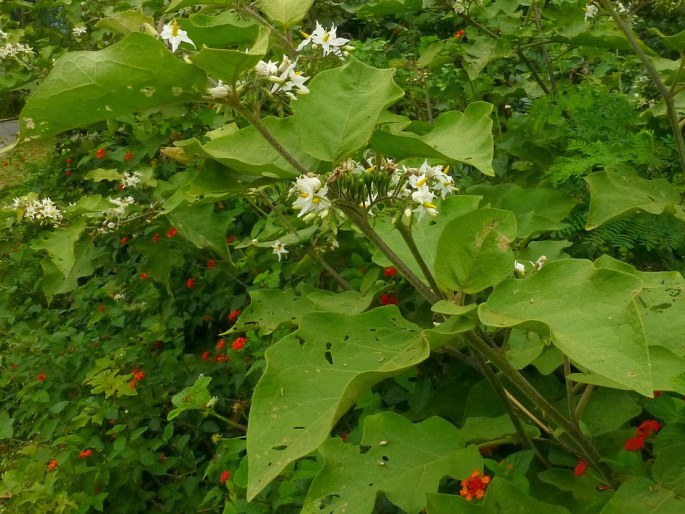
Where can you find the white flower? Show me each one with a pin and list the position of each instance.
(458, 7)
(175, 36)
(519, 268)
(17, 203)
(279, 249)
(15, 50)
(328, 40)
(540, 262)
(212, 402)
(591, 11)
(424, 197)
(266, 69)
(311, 197)
(130, 180)
(219, 91)
(78, 31)
(443, 184)
(286, 79)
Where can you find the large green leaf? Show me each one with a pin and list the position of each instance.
(200, 225)
(669, 465)
(314, 375)
(661, 304)
(59, 245)
(590, 315)
(246, 151)
(339, 114)
(616, 193)
(228, 65)
(286, 12)
(271, 308)
(426, 233)
(501, 497)
(135, 74)
(537, 210)
(643, 496)
(464, 137)
(226, 29)
(404, 462)
(474, 251)
(125, 22)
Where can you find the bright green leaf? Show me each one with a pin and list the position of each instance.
(463, 137)
(271, 308)
(194, 397)
(643, 496)
(619, 193)
(285, 12)
(125, 22)
(378, 8)
(340, 113)
(314, 375)
(135, 74)
(200, 225)
(590, 315)
(405, 461)
(474, 252)
(225, 29)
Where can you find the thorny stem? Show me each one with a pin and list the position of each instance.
(360, 219)
(405, 232)
(516, 421)
(529, 414)
(654, 75)
(590, 453)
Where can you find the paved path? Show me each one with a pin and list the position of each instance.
(8, 132)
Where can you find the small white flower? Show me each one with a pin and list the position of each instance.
(266, 69)
(130, 180)
(540, 262)
(519, 268)
(279, 249)
(78, 31)
(424, 197)
(286, 79)
(219, 91)
(175, 36)
(458, 7)
(311, 197)
(591, 11)
(328, 40)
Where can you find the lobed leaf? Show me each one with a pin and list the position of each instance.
(314, 375)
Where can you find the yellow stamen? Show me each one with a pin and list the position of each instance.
(305, 35)
(326, 37)
(422, 182)
(429, 205)
(316, 199)
(304, 195)
(174, 28)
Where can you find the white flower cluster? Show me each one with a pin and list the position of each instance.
(115, 214)
(15, 50)
(284, 77)
(424, 184)
(219, 91)
(129, 180)
(78, 31)
(520, 267)
(44, 211)
(328, 40)
(311, 198)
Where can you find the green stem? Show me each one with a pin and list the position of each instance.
(292, 52)
(584, 400)
(405, 232)
(258, 124)
(671, 111)
(234, 424)
(360, 219)
(499, 389)
(545, 55)
(570, 395)
(588, 450)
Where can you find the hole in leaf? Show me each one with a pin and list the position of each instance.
(346, 338)
(371, 485)
(325, 502)
(385, 458)
(364, 449)
(372, 330)
(300, 340)
(298, 428)
(329, 346)
(280, 448)
(329, 357)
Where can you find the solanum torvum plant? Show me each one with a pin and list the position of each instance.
(491, 337)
